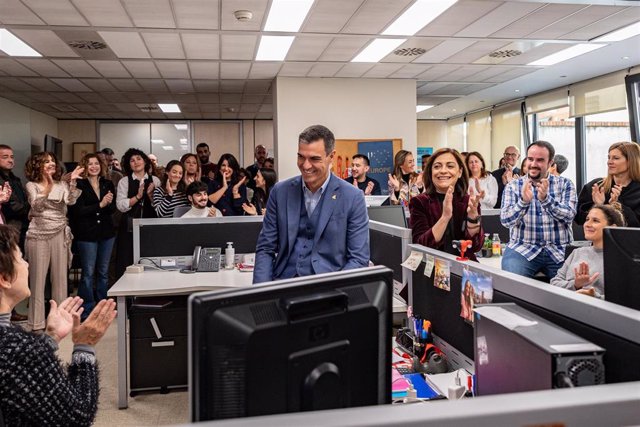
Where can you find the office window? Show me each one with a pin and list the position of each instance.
(555, 126)
(602, 130)
(169, 141)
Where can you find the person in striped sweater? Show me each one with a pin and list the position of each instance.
(171, 193)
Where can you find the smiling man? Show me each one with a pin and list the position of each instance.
(538, 209)
(315, 222)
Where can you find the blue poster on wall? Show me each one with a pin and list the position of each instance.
(422, 151)
(380, 155)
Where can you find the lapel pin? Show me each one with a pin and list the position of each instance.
(334, 197)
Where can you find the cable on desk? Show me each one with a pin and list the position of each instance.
(155, 265)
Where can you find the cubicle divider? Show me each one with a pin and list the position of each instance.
(389, 247)
(159, 238)
(611, 326)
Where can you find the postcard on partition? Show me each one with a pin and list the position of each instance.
(477, 288)
(442, 279)
(428, 269)
(413, 261)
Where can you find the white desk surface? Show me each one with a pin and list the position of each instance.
(494, 261)
(174, 283)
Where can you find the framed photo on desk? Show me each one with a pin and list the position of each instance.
(80, 149)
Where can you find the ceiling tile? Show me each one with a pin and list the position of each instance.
(127, 107)
(325, 69)
(542, 17)
(264, 116)
(458, 17)
(380, 71)
(344, 49)
(189, 108)
(443, 51)
(354, 69)
(142, 69)
(266, 108)
(510, 75)
(173, 69)
(179, 85)
(234, 70)
(210, 108)
(412, 43)
(72, 85)
(153, 85)
(204, 70)
(409, 71)
(264, 70)
(257, 86)
(231, 86)
(228, 116)
(41, 83)
(139, 97)
(438, 71)
(164, 45)
(104, 13)
(451, 74)
(125, 45)
(126, 85)
(230, 23)
(83, 107)
(307, 48)
(374, 16)
(207, 85)
(47, 43)
(185, 98)
(115, 97)
(208, 98)
(238, 47)
(14, 68)
(252, 99)
(230, 98)
(627, 16)
(77, 67)
(246, 116)
(15, 84)
(476, 51)
(59, 12)
(249, 108)
(498, 18)
(197, 14)
(490, 72)
(576, 21)
(43, 96)
(99, 85)
(109, 68)
(201, 46)
(44, 67)
(329, 16)
(90, 97)
(139, 11)
(16, 13)
(193, 116)
(295, 69)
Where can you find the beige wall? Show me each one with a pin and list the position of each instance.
(263, 130)
(351, 108)
(432, 133)
(71, 131)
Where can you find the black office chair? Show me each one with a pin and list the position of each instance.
(181, 210)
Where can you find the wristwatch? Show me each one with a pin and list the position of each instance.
(473, 221)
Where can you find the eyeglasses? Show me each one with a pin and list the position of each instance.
(511, 154)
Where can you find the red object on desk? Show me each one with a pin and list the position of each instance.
(464, 245)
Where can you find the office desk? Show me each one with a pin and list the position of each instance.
(494, 261)
(161, 283)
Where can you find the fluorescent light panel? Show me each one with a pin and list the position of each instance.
(417, 17)
(157, 141)
(13, 46)
(274, 48)
(167, 147)
(378, 49)
(181, 127)
(565, 54)
(420, 108)
(169, 108)
(287, 15)
(621, 34)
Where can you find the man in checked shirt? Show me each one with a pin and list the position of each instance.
(538, 209)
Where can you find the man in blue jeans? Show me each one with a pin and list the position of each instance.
(538, 209)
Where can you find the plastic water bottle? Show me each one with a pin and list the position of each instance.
(229, 255)
(495, 244)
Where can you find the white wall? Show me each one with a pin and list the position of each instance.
(351, 108)
(20, 127)
(432, 133)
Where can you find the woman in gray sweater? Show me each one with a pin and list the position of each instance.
(583, 270)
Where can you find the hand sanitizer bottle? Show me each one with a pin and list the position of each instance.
(229, 255)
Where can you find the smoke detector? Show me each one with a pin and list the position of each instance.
(243, 15)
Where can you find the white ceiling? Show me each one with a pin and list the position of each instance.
(196, 54)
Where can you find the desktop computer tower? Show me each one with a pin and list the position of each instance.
(517, 351)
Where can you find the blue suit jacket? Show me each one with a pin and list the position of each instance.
(341, 241)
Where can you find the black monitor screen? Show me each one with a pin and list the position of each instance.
(622, 266)
(386, 250)
(310, 343)
(393, 215)
(160, 240)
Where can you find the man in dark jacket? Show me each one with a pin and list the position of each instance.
(508, 173)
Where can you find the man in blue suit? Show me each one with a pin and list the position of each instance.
(316, 222)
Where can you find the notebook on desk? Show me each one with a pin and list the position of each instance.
(399, 384)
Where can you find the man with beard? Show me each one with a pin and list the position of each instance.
(209, 169)
(198, 197)
(260, 154)
(359, 178)
(538, 209)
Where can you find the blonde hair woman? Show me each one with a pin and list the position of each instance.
(404, 183)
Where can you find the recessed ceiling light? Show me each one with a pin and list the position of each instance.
(13, 46)
(568, 53)
(157, 141)
(417, 17)
(287, 15)
(454, 110)
(274, 48)
(378, 49)
(420, 108)
(625, 58)
(517, 90)
(169, 108)
(621, 34)
(181, 127)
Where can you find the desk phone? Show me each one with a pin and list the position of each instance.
(206, 259)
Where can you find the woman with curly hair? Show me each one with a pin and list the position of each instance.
(48, 242)
(404, 183)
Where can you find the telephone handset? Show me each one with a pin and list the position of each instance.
(206, 259)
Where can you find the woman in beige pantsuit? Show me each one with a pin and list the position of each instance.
(48, 241)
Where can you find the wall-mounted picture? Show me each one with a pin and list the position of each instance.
(82, 148)
(477, 288)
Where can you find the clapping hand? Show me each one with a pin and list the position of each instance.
(91, 330)
(447, 204)
(5, 193)
(472, 208)
(597, 194)
(527, 192)
(615, 194)
(393, 182)
(150, 189)
(507, 176)
(249, 209)
(60, 319)
(369, 189)
(582, 276)
(77, 173)
(168, 188)
(107, 199)
(212, 212)
(543, 189)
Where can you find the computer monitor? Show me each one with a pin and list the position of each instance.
(622, 266)
(310, 343)
(393, 215)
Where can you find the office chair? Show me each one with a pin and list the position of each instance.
(180, 210)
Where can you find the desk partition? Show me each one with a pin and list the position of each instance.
(156, 238)
(388, 247)
(613, 327)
